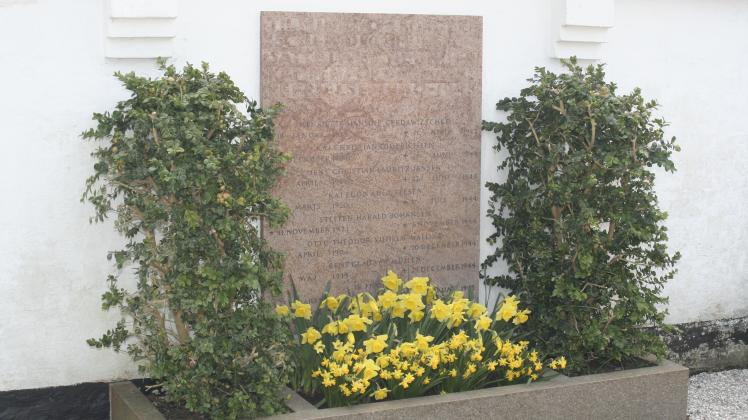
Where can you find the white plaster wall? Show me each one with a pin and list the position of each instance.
(690, 54)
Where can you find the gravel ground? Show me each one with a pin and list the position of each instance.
(719, 395)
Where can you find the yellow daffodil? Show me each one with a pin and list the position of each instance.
(345, 390)
(460, 304)
(327, 380)
(398, 309)
(370, 369)
(331, 328)
(434, 361)
(383, 361)
(483, 323)
(476, 310)
(422, 341)
(440, 311)
(338, 370)
(302, 310)
(391, 281)
(418, 285)
(407, 380)
(387, 299)
(331, 303)
(508, 308)
(471, 368)
(343, 327)
(282, 310)
(373, 310)
(456, 318)
(310, 336)
(415, 316)
(458, 340)
(521, 317)
(380, 394)
(319, 347)
(408, 349)
(376, 344)
(356, 323)
(412, 301)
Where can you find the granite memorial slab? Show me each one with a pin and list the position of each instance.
(382, 116)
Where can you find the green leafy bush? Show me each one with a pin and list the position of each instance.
(188, 175)
(577, 219)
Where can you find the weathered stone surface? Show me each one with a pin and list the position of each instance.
(128, 403)
(711, 345)
(382, 118)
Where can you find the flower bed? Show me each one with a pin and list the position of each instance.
(652, 392)
(408, 352)
(407, 342)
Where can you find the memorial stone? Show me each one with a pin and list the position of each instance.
(382, 118)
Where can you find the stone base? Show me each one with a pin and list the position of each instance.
(658, 392)
(710, 345)
(128, 403)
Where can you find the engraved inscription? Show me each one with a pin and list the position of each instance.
(382, 120)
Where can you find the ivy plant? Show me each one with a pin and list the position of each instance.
(577, 219)
(187, 175)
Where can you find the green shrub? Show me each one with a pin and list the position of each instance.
(188, 175)
(577, 220)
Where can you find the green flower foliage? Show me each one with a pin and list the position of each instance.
(577, 220)
(188, 176)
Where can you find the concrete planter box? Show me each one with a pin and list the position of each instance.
(657, 392)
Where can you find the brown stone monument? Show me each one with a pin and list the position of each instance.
(382, 119)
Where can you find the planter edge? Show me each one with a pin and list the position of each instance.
(126, 402)
(662, 367)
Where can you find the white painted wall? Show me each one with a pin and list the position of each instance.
(690, 54)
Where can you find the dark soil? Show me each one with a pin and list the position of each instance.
(314, 399)
(169, 409)
(634, 363)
